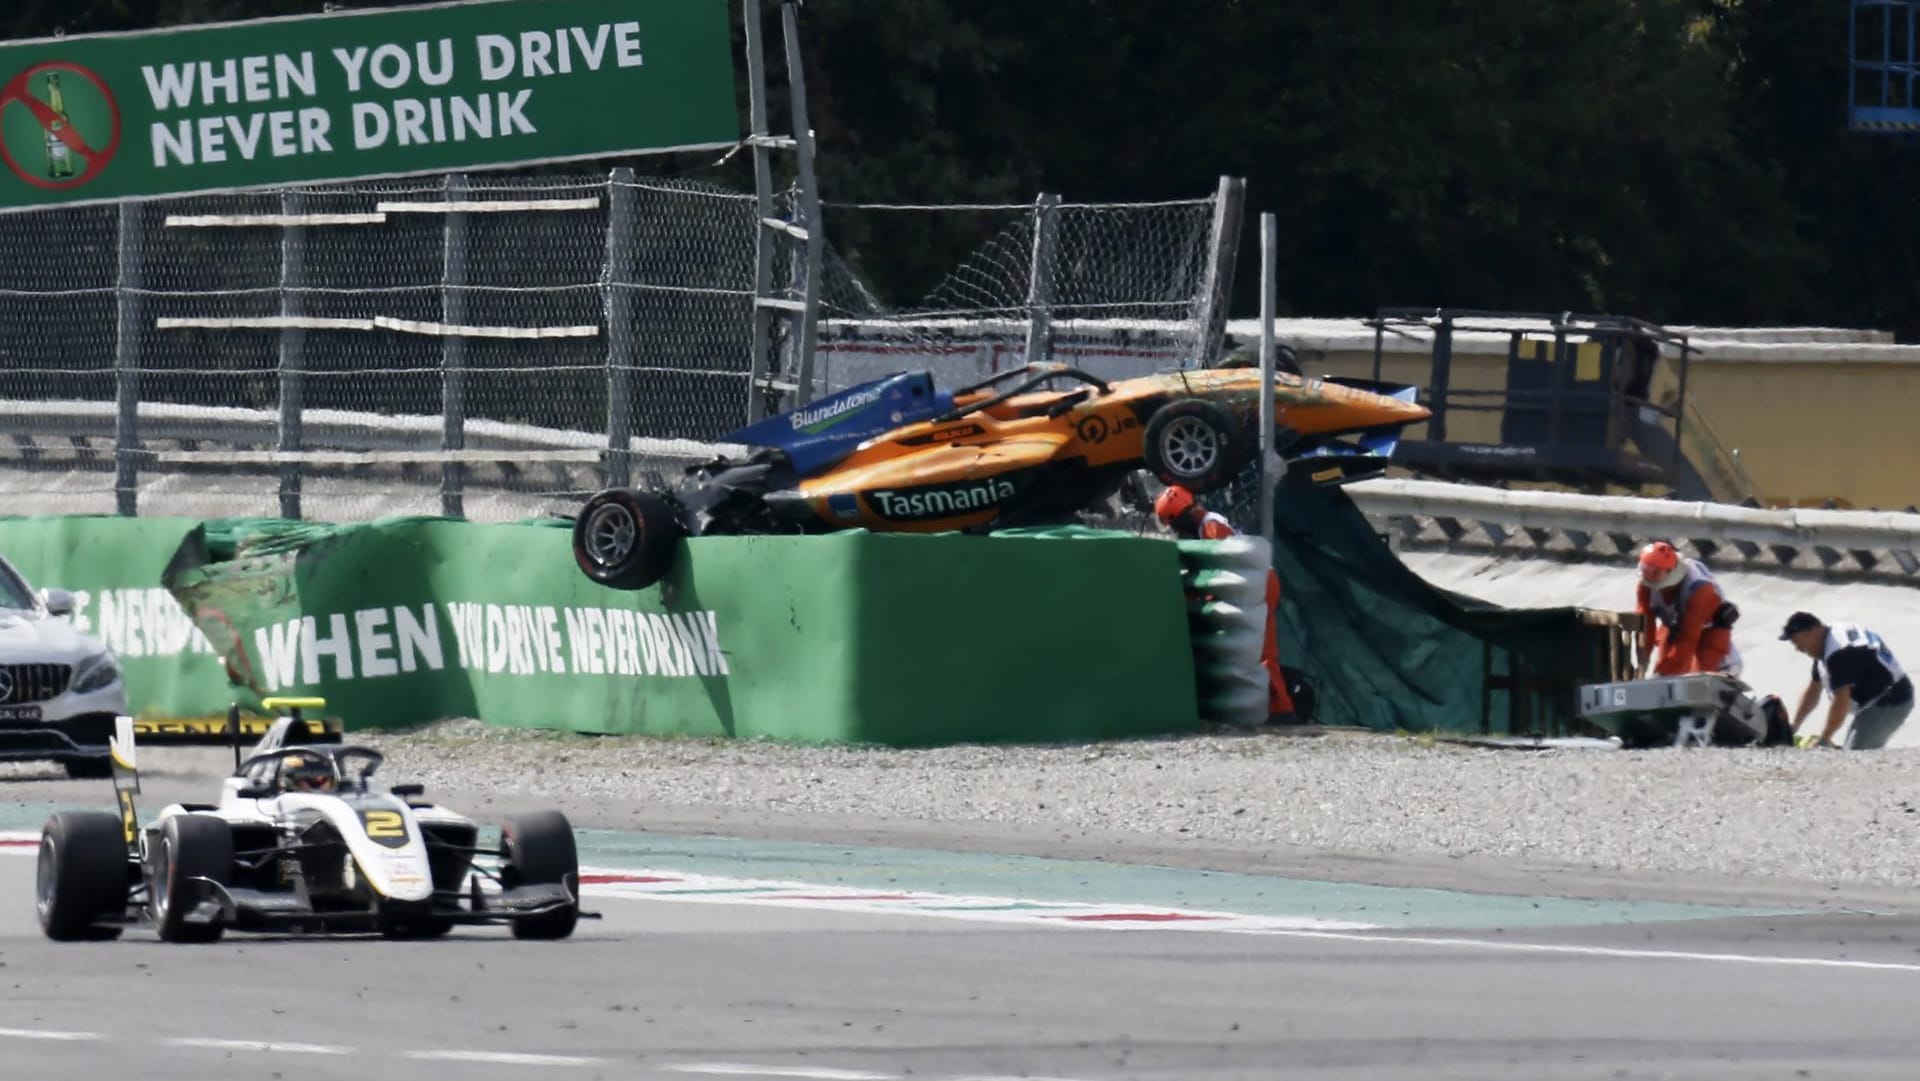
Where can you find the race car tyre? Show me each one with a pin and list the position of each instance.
(88, 769)
(82, 875)
(1194, 444)
(405, 925)
(625, 539)
(190, 846)
(536, 848)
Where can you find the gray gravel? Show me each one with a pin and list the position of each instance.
(1818, 816)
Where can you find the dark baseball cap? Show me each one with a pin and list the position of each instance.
(1797, 622)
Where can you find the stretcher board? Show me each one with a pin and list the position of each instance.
(1679, 711)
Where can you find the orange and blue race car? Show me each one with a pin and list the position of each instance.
(1031, 446)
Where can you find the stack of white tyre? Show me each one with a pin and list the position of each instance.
(1226, 587)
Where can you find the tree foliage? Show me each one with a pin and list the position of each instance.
(1681, 160)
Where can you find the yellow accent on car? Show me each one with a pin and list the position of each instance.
(294, 703)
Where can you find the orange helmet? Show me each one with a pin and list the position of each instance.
(1171, 504)
(1660, 566)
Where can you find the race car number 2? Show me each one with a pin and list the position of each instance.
(386, 827)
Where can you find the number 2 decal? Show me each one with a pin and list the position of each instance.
(386, 827)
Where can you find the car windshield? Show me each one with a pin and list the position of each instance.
(14, 593)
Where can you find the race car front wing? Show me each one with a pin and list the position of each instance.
(243, 908)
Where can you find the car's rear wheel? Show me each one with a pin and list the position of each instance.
(625, 539)
(190, 846)
(82, 875)
(1194, 444)
(537, 848)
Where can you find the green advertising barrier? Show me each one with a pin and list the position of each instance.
(113, 568)
(351, 94)
(849, 638)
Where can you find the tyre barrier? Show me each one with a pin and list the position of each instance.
(1226, 588)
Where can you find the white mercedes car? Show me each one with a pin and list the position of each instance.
(60, 690)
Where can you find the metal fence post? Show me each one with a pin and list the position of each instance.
(1269, 244)
(760, 394)
(129, 333)
(293, 341)
(1218, 290)
(810, 216)
(1046, 228)
(453, 352)
(618, 300)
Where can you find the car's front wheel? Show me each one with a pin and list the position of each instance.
(625, 539)
(1193, 444)
(82, 875)
(536, 849)
(190, 846)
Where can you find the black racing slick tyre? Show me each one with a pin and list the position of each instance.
(538, 848)
(625, 539)
(189, 846)
(414, 925)
(1194, 444)
(82, 876)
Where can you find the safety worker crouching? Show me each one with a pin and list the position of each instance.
(1853, 665)
(1692, 619)
(1189, 519)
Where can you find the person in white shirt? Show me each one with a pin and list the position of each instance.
(1853, 665)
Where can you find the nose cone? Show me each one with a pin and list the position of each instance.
(1325, 408)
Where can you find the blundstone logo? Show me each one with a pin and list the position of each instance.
(824, 416)
(942, 500)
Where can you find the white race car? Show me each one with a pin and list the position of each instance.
(302, 840)
(59, 689)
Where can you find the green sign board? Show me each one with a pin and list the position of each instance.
(360, 94)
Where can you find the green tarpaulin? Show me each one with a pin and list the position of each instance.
(1387, 650)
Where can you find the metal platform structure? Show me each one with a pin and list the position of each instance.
(1590, 402)
(1883, 49)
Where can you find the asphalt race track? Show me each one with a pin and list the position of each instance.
(764, 986)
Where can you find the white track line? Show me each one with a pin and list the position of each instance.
(45, 1034)
(813, 1073)
(213, 1044)
(1588, 951)
(503, 1058)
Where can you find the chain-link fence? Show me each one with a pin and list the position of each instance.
(1117, 290)
(500, 347)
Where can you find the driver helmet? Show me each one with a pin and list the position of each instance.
(306, 773)
(1660, 566)
(1172, 504)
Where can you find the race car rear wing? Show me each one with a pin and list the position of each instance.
(291, 725)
